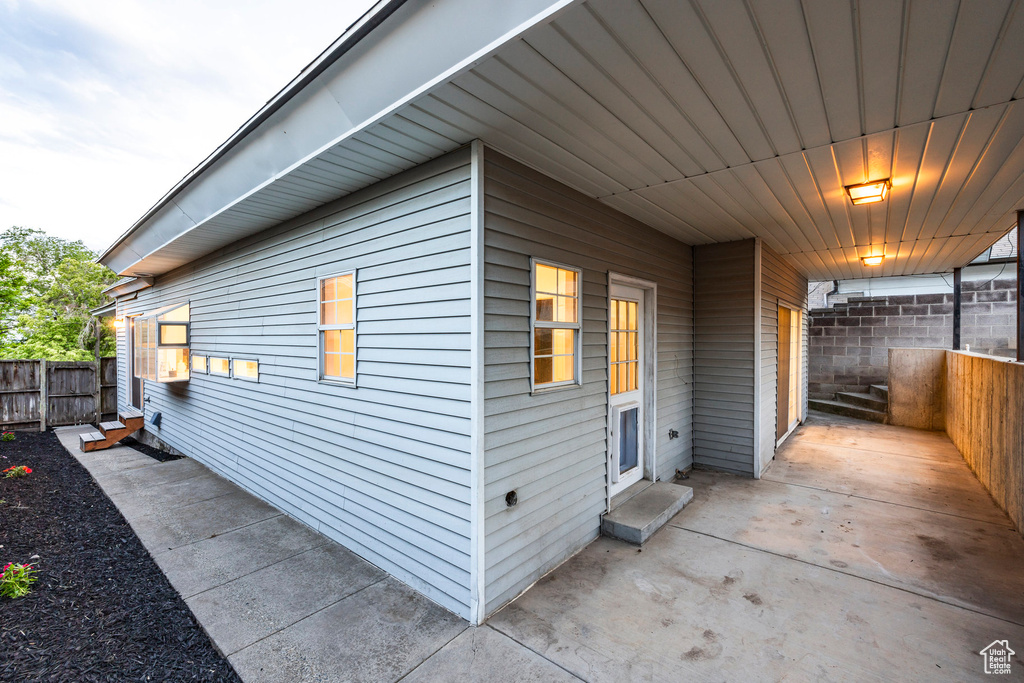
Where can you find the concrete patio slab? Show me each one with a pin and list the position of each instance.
(249, 609)
(173, 527)
(970, 563)
(483, 654)
(899, 568)
(147, 477)
(934, 484)
(692, 607)
(199, 567)
(377, 634)
(170, 496)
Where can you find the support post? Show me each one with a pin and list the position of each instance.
(956, 309)
(43, 398)
(1020, 290)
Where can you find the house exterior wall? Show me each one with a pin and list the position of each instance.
(383, 468)
(781, 285)
(551, 447)
(724, 356)
(849, 342)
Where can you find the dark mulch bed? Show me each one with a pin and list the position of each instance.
(155, 453)
(102, 610)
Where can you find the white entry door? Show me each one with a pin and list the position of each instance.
(625, 386)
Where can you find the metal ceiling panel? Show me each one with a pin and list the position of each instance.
(711, 121)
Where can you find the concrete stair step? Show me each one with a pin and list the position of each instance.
(847, 410)
(881, 391)
(636, 520)
(863, 400)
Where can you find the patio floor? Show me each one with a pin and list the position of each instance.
(866, 552)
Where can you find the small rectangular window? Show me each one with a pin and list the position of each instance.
(555, 325)
(199, 364)
(245, 369)
(336, 301)
(220, 366)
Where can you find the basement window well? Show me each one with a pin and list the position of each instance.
(161, 344)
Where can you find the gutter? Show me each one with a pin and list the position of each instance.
(370, 20)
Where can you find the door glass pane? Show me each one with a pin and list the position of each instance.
(628, 439)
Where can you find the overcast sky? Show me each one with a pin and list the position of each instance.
(106, 104)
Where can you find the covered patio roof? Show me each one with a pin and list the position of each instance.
(711, 121)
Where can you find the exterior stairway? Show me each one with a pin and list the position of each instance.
(873, 405)
(129, 422)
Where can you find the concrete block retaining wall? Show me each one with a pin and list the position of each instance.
(849, 343)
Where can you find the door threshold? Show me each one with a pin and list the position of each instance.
(630, 491)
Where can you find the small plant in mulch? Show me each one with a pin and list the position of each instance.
(17, 579)
(17, 471)
(7, 436)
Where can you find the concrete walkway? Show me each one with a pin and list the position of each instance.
(867, 552)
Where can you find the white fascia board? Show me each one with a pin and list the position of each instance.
(420, 46)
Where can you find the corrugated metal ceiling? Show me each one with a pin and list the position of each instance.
(715, 120)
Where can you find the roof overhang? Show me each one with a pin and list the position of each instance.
(105, 311)
(709, 121)
(128, 285)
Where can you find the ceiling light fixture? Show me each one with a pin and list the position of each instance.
(869, 193)
(872, 260)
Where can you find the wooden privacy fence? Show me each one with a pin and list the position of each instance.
(40, 393)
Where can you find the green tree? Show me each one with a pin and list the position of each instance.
(59, 282)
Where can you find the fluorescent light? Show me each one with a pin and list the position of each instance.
(872, 260)
(868, 193)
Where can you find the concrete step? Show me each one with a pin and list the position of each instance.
(638, 518)
(863, 400)
(847, 410)
(881, 391)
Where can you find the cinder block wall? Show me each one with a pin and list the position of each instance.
(849, 343)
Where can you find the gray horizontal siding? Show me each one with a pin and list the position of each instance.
(383, 468)
(781, 284)
(551, 447)
(723, 403)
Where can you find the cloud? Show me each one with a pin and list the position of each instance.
(104, 105)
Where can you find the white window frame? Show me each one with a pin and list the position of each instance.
(320, 328)
(206, 363)
(577, 352)
(234, 364)
(209, 366)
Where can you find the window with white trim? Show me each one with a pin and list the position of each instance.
(220, 366)
(198, 364)
(243, 368)
(555, 325)
(337, 327)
